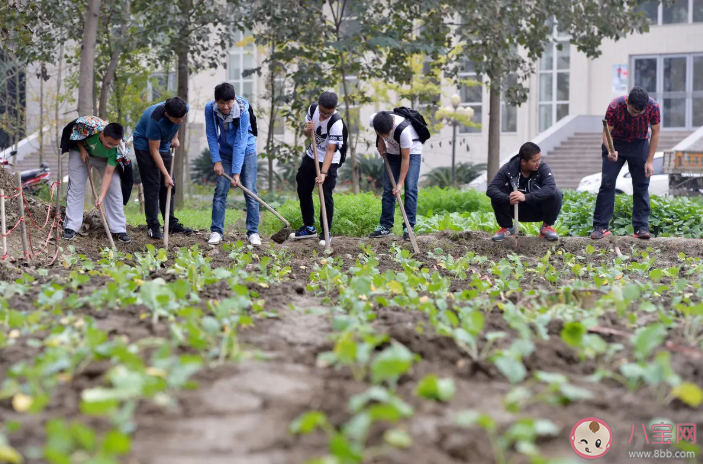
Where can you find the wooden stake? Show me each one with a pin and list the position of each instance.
(100, 208)
(323, 207)
(23, 224)
(58, 206)
(140, 195)
(398, 198)
(168, 202)
(516, 224)
(4, 225)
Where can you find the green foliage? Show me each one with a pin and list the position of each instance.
(371, 169)
(464, 173)
(436, 200)
(354, 215)
(201, 168)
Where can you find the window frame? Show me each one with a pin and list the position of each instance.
(659, 95)
(238, 53)
(660, 15)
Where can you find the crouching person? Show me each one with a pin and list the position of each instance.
(100, 151)
(232, 142)
(537, 195)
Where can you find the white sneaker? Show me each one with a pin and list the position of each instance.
(322, 242)
(215, 238)
(255, 240)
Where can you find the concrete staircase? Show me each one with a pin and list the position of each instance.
(580, 155)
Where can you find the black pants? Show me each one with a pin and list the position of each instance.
(635, 153)
(155, 191)
(545, 211)
(306, 184)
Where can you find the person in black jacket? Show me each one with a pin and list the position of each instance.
(537, 194)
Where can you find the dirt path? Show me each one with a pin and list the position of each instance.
(241, 411)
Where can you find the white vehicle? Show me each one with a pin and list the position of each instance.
(658, 183)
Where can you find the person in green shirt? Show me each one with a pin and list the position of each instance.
(100, 151)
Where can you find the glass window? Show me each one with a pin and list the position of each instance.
(697, 11)
(242, 58)
(697, 73)
(697, 110)
(471, 96)
(675, 74)
(508, 118)
(545, 87)
(676, 13)
(545, 63)
(554, 83)
(545, 117)
(235, 67)
(646, 73)
(563, 86)
(563, 57)
(508, 113)
(674, 112)
(650, 10)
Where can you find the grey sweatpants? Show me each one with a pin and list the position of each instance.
(77, 186)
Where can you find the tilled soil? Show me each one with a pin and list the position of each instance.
(241, 411)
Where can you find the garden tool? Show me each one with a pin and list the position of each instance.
(402, 207)
(280, 236)
(100, 207)
(167, 213)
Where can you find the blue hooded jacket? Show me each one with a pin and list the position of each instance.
(234, 143)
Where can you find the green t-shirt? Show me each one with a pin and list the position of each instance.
(96, 148)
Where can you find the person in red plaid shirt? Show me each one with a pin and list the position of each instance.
(628, 119)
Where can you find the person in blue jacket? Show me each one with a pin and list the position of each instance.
(232, 143)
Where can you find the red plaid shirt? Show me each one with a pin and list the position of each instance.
(625, 127)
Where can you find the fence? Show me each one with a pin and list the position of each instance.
(18, 240)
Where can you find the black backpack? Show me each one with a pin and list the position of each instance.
(252, 119)
(345, 133)
(411, 117)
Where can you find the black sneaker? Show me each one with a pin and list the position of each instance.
(406, 234)
(599, 232)
(69, 234)
(178, 228)
(642, 233)
(304, 232)
(380, 232)
(123, 237)
(155, 233)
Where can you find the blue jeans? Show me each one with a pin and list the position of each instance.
(222, 186)
(635, 153)
(411, 181)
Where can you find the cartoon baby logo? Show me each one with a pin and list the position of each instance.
(591, 438)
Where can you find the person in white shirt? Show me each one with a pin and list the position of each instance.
(327, 144)
(400, 143)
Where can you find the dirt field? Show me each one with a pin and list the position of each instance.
(240, 412)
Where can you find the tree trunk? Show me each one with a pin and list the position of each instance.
(41, 113)
(180, 160)
(351, 148)
(494, 131)
(86, 77)
(112, 67)
(18, 106)
(272, 120)
(56, 106)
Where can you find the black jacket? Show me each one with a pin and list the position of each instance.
(540, 185)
